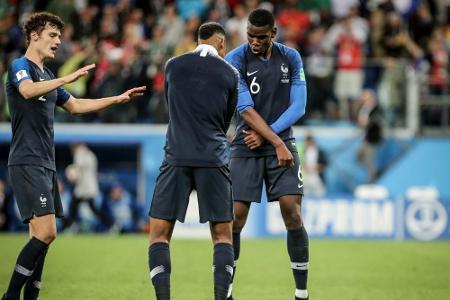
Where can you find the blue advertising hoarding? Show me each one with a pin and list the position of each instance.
(343, 217)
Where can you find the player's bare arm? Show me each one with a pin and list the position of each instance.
(254, 121)
(81, 106)
(31, 90)
(252, 139)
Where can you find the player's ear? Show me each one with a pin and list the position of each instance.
(34, 36)
(222, 48)
(274, 32)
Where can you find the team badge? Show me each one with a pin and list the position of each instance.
(21, 74)
(284, 73)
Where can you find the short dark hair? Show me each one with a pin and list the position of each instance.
(37, 21)
(207, 30)
(261, 17)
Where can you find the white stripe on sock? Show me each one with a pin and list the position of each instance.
(230, 289)
(156, 270)
(229, 269)
(37, 284)
(300, 265)
(302, 294)
(23, 270)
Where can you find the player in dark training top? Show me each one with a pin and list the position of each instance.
(33, 93)
(201, 90)
(272, 97)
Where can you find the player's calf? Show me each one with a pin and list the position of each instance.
(298, 249)
(237, 251)
(33, 284)
(222, 269)
(160, 269)
(25, 266)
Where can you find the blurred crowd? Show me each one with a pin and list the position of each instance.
(356, 52)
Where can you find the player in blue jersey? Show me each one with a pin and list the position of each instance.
(201, 90)
(272, 97)
(33, 93)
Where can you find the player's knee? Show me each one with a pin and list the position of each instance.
(293, 221)
(238, 224)
(239, 221)
(51, 236)
(222, 238)
(47, 236)
(159, 235)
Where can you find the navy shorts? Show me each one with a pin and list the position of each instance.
(175, 184)
(36, 191)
(249, 173)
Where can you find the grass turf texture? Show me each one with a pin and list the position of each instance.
(115, 267)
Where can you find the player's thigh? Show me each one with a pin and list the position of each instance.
(171, 195)
(36, 192)
(214, 194)
(247, 175)
(282, 181)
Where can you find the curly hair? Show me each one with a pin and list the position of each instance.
(37, 21)
(261, 17)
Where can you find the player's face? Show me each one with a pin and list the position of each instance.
(260, 38)
(48, 41)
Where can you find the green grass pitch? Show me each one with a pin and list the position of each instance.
(106, 267)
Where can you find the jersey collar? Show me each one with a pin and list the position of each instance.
(206, 49)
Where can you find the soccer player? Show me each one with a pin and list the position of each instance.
(201, 90)
(272, 97)
(33, 92)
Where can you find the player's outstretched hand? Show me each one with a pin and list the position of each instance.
(134, 92)
(285, 158)
(252, 139)
(78, 73)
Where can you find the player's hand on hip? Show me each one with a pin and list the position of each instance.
(252, 139)
(134, 92)
(78, 73)
(285, 158)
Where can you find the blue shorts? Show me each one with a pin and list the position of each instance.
(36, 191)
(249, 173)
(175, 184)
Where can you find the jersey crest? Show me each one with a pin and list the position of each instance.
(284, 73)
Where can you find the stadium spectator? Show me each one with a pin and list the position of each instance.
(293, 22)
(120, 207)
(421, 25)
(440, 62)
(66, 198)
(172, 26)
(33, 93)
(319, 67)
(236, 26)
(348, 37)
(5, 199)
(397, 44)
(263, 148)
(4, 115)
(368, 150)
(314, 163)
(83, 174)
(200, 108)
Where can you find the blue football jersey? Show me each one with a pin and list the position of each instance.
(32, 120)
(269, 82)
(201, 93)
